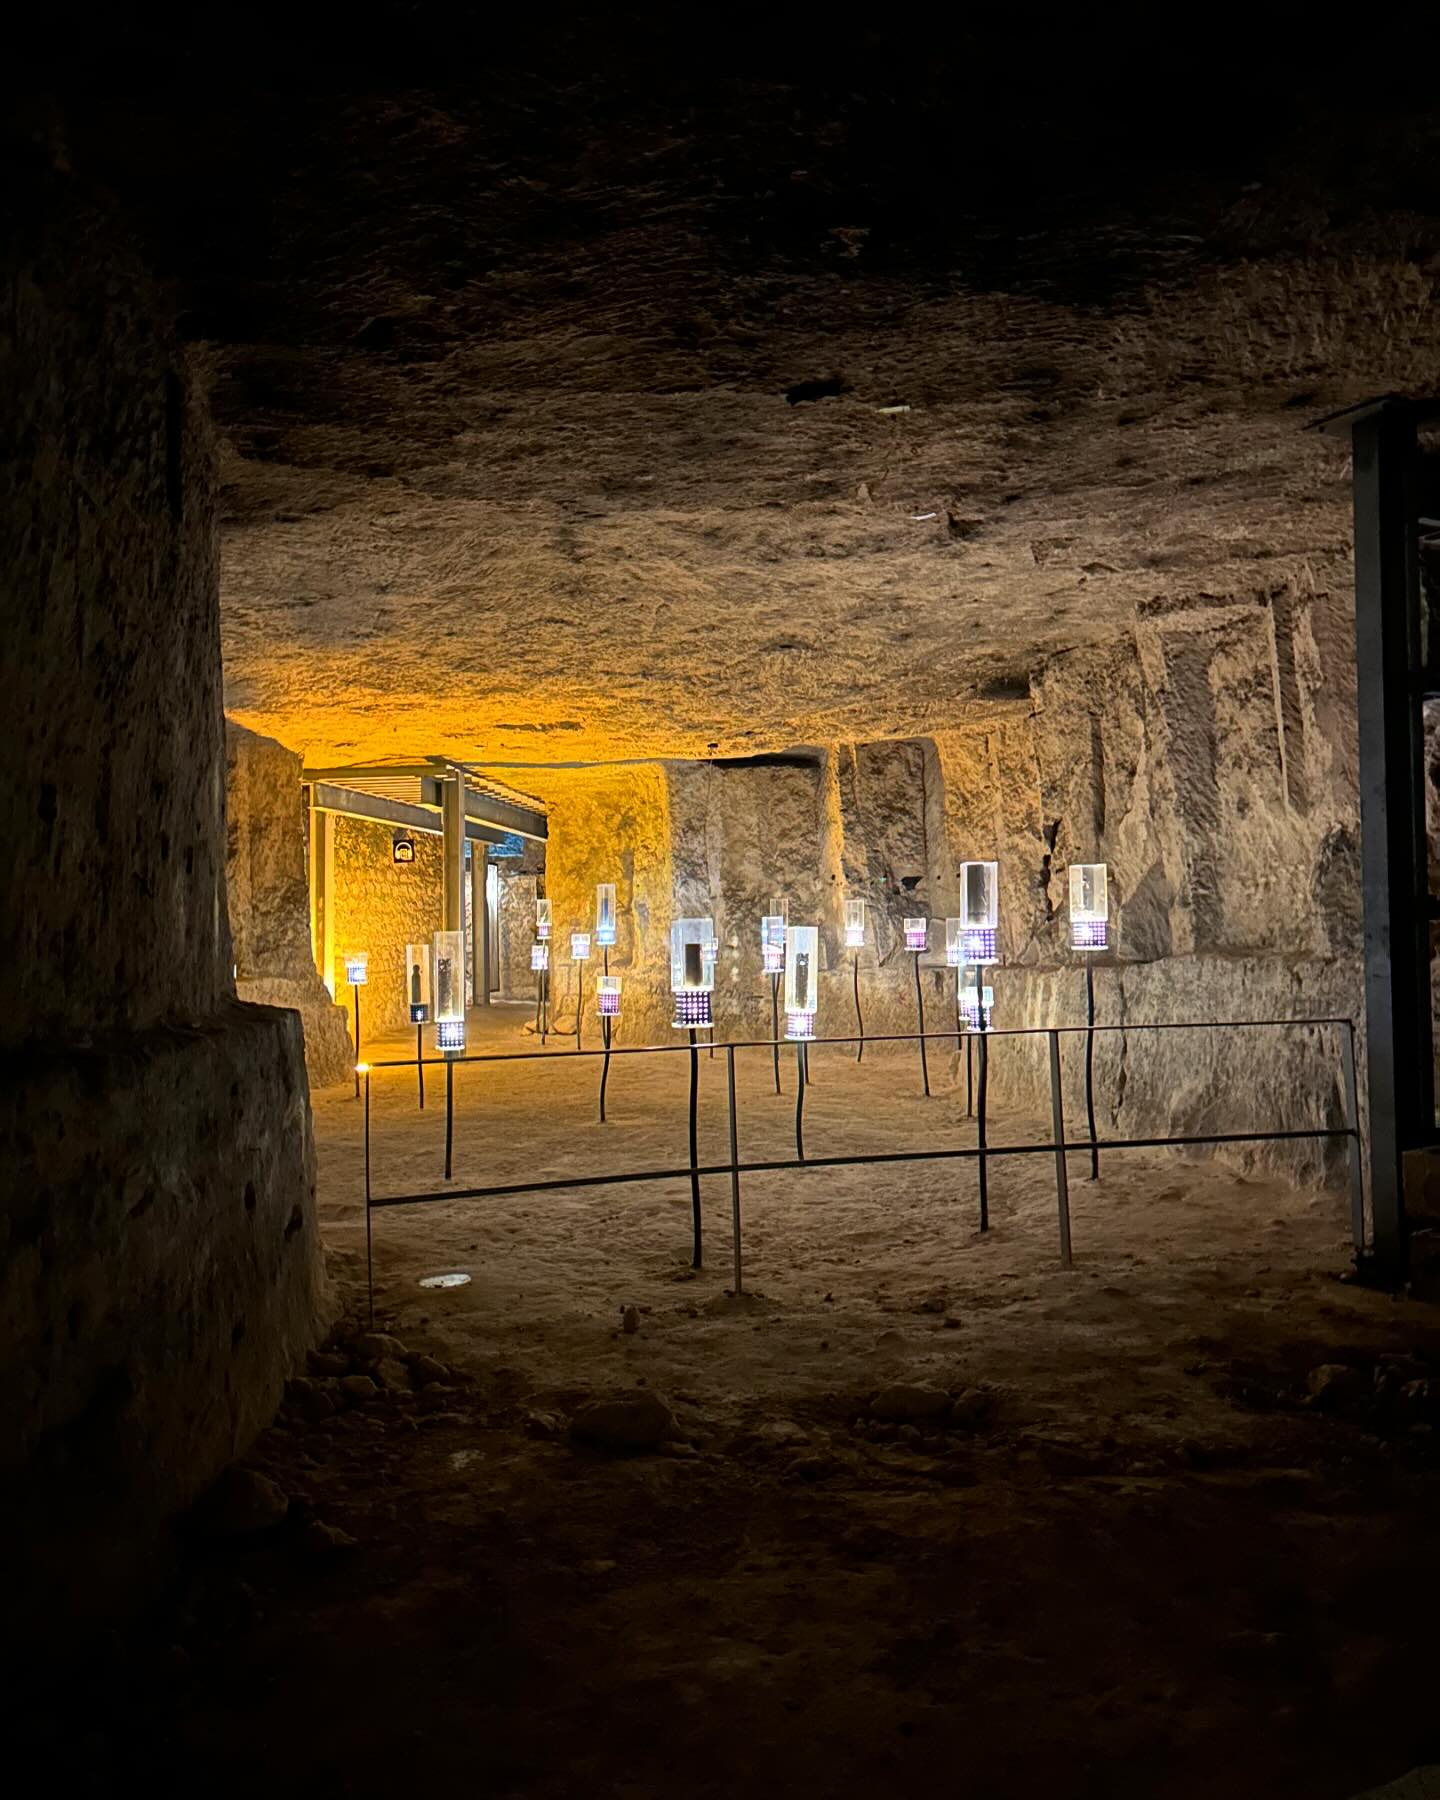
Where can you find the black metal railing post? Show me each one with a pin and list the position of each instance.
(449, 1116)
(980, 1123)
(369, 1243)
(604, 1065)
(1057, 1130)
(734, 1168)
(695, 1146)
(1090, 1069)
(775, 1026)
(800, 1101)
(920, 1015)
(982, 1153)
(1356, 1155)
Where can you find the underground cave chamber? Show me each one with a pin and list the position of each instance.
(591, 904)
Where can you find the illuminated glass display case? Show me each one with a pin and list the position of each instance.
(692, 972)
(1089, 906)
(802, 969)
(980, 911)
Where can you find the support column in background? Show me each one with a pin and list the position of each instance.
(452, 822)
(1396, 670)
(322, 894)
(480, 913)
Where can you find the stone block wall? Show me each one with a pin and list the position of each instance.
(610, 823)
(380, 906)
(741, 833)
(160, 1279)
(721, 839)
(1211, 762)
(1174, 1082)
(112, 803)
(160, 1266)
(268, 898)
(1209, 759)
(516, 933)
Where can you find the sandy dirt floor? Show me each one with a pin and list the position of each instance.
(1132, 1555)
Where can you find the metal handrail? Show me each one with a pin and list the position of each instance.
(1060, 1145)
(870, 1037)
(683, 1171)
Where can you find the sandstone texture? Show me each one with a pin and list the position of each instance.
(380, 907)
(268, 898)
(113, 797)
(609, 824)
(851, 530)
(161, 1275)
(159, 1256)
(1208, 758)
(579, 412)
(908, 1402)
(516, 934)
(241, 1503)
(637, 1421)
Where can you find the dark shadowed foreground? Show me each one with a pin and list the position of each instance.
(920, 1509)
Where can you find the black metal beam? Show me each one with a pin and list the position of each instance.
(354, 803)
(504, 815)
(1394, 865)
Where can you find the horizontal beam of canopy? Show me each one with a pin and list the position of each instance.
(354, 803)
(418, 786)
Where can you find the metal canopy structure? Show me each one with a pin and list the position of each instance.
(354, 803)
(445, 800)
(505, 811)
(1397, 657)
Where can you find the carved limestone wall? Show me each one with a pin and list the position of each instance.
(380, 906)
(160, 1266)
(268, 898)
(1208, 758)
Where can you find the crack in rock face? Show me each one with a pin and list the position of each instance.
(601, 408)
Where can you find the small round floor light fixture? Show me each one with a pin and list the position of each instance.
(692, 973)
(802, 966)
(980, 911)
(1089, 906)
(452, 1278)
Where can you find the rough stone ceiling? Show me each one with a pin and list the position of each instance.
(514, 462)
